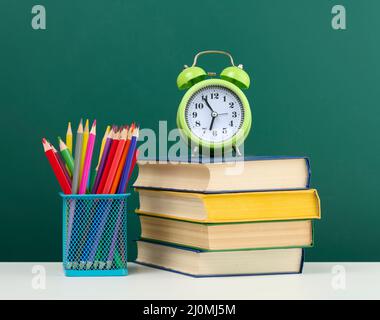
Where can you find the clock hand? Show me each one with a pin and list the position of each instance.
(208, 105)
(212, 122)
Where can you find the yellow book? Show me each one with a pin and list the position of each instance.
(231, 207)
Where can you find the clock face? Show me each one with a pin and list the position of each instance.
(214, 113)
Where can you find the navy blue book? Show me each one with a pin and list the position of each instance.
(225, 175)
(198, 263)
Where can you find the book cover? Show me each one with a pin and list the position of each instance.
(231, 207)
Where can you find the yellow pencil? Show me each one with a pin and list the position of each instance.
(103, 143)
(69, 138)
(86, 133)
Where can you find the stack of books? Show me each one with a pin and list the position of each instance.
(226, 218)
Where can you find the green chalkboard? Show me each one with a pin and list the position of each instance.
(315, 92)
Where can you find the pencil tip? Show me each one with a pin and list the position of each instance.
(44, 141)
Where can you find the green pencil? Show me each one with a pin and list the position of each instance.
(65, 152)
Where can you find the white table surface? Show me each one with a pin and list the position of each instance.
(362, 281)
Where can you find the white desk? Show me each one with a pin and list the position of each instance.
(362, 282)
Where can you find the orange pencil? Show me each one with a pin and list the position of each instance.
(119, 171)
(115, 161)
(57, 169)
(107, 167)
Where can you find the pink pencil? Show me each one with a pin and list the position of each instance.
(88, 158)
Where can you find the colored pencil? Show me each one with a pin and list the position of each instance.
(124, 178)
(57, 169)
(86, 133)
(78, 151)
(95, 170)
(119, 171)
(115, 161)
(103, 144)
(108, 164)
(135, 156)
(61, 163)
(88, 159)
(66, 155)
(103, 161)
(69, 138)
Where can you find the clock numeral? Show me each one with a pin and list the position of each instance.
(231, 104)
(234, 114)
(215, 95)
(224, 98)
(199, 105)
(204, 130)
(224, 131)
(231, 123)
(197, 123)
(214, 133)
(195, 114)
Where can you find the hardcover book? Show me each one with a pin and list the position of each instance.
(231, 207)
(247, 174)
(228, 236)
(199, 263)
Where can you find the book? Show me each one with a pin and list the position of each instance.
(228, 236)
(199, 263)
(248, 174)
(231, 207)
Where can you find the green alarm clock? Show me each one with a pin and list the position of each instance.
(214, 113)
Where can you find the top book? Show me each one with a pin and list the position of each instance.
(248, 174)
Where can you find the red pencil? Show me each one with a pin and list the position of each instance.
(115, 162)
(57, 169)
(61, 162)
(107, 167)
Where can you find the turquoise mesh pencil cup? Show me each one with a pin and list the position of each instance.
(94, 235)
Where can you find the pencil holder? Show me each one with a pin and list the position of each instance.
(95, 235)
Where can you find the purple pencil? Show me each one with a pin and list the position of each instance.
(103, 161)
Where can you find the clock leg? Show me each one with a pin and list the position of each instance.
(237, 151)
(195, 151)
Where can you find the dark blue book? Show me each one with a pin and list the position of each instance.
(199, 263)
(222, 175)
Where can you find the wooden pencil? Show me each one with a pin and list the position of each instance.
(103, 144)
(88, 159)
(107, 167)
(69, 138)
(103, 161)
(119, 171)
(61, 163)
(124, 178)
(115, 161)
(78, 151)
(86, 133)
(66, 155)
(57, 169)
(135, 156)
(95, 170)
